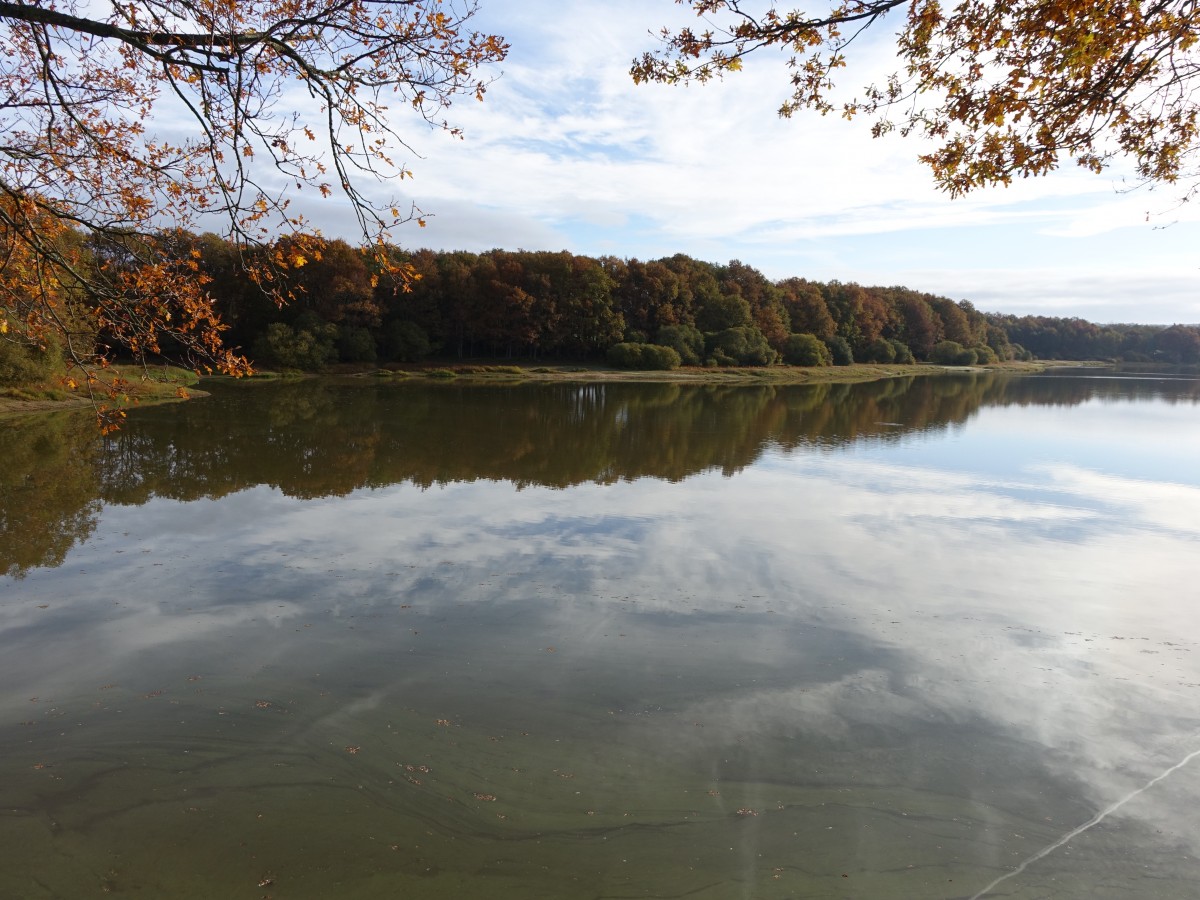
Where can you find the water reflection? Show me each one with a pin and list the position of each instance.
(49, 490)
(841, 673)
(319, 439)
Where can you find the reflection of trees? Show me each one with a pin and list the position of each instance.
(49, 492)
(319, 438)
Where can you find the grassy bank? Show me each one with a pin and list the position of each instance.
(161, 384)
(135, 386)
(744, 375)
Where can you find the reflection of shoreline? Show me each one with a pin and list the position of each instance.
(919, 695)
(322, 437)
(849, 625)
(327, 437)
(853, 374)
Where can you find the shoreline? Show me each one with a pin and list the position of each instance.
(140, 387)
(178, 385)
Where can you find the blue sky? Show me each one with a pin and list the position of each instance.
(567, 153)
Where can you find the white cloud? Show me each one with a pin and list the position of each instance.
(567, 153)
(564, 140)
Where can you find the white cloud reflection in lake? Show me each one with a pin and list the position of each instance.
(1021, 637)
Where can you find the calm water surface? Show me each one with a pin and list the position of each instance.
(923, 638)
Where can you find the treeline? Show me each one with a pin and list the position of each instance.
(543, 305)
(646, 315)
(657, 314)
(1056, 338)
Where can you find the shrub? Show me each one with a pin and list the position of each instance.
(805, 350)
(740, 346)
(652, 357)
(304, 348)
(686, 340)
(904, 355)
(660, 358)
(879, 351)
(355, 344)
(951, 353)
(625, 355)
(839, 351)
(985, 355)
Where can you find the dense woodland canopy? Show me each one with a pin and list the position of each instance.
(557, 306)
(561, 307)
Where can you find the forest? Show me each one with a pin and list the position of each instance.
(346, 308)
(655, 314)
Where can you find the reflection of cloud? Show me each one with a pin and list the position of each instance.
(1144, 504)
(824, 711)
(1042, 608)
(1090, 823)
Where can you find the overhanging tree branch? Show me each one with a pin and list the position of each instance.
(1008, 90)
(82, 84)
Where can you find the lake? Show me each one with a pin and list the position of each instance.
(930, 637)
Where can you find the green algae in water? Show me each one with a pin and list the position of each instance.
(667, 664)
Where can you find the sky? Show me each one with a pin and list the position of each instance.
(566, 152)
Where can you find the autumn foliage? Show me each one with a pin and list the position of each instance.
(129, 123)
(1004, 90)
(564, 307)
